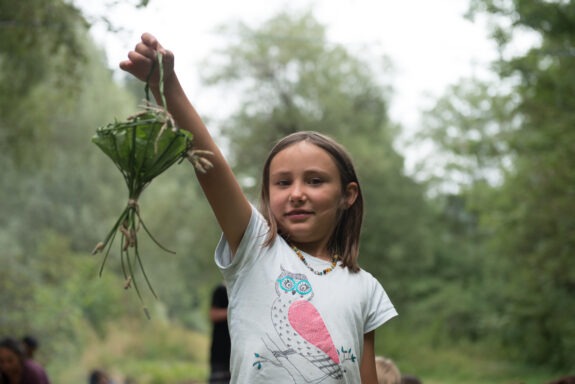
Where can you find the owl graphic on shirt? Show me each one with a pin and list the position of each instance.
(303, 335)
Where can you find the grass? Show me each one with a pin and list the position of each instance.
(160, 352)
(461, 366)
(164, 371)
(436, 362)
(147, 352)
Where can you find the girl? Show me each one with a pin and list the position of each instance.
(294, 315)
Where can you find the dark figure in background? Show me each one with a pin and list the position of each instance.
(563, 380)
(221, 344)
(30, 344)
(410, 379)
(16, 368)
(99, 377)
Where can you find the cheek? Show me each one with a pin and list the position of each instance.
(277, 200)
(329, 201)
(277, 207)
(9, 364)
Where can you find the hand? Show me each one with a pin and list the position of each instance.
(140, 60)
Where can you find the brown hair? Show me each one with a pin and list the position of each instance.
(345, 238)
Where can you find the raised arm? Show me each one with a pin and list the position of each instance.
(230, 206)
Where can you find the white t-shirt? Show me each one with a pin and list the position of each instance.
(289, 325)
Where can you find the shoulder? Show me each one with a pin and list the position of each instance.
(32, 365)
(35, 371)
(371, 283)
(252, 243)
(365, 286)
(361, 276)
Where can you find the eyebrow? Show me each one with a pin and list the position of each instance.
(281, 173)
(306, 172)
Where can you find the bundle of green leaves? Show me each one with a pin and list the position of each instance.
(142, 147)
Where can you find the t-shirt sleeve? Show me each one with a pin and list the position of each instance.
(379, 309)
(249, 249)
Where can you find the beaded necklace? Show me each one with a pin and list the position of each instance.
(319, 273)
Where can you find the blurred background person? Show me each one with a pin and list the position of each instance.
(410, 379)
(31, 345)
(563, 380)
(387, 371)
(98, 376)
(221, 343)
(16, 368)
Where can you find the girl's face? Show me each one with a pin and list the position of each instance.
(10, 363)
(306, 195)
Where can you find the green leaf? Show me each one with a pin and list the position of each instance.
(140, 149)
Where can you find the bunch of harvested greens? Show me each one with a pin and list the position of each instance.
(142, 147)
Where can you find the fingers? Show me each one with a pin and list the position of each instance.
(140, 60)
(150, 46)
(126, 65)
(143, 54)
(149, 40)
(137, 64)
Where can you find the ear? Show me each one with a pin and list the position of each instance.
(350, 194)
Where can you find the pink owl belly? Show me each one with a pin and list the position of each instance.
(307, 322)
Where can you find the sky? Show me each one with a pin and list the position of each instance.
(430, 43)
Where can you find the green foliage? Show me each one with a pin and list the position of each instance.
(483, 278)
(146, 351)
(418, 351)
(142, 148)
(59, 195)
(470, 126)
(37, 39)
(520, 132)
(32, 32)
(539, 234)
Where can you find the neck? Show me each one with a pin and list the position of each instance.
(315, 250)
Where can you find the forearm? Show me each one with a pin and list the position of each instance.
(219, 184)
(184, 113)
(218, 314)
(367, 366)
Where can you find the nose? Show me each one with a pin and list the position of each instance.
(297, 193)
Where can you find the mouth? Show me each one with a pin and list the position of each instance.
(298, 214)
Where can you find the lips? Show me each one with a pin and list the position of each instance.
(297, 215)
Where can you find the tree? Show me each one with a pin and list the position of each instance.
(37, 38)
(60, 195)
(524, 130)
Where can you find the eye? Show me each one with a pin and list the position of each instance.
(287, 284)
(281, 182)
(303, 287)
(315, 181)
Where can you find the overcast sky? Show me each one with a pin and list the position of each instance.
(430, 43)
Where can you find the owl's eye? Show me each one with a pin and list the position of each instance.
(287, 283)
(303, 287)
